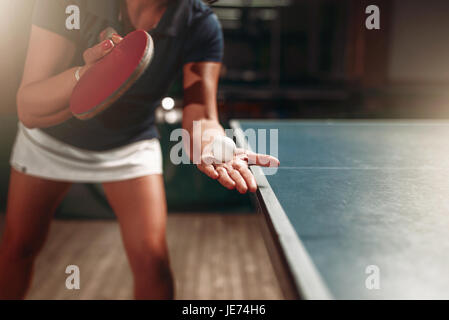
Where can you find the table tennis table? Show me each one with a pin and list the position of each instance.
(357, 209)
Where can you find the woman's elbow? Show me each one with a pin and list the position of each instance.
(22, 113)
(27, 121)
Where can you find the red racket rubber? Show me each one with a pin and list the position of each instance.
(108, 79)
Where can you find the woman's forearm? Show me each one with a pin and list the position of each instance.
(46, 121)
(46, 102)
(201, 128)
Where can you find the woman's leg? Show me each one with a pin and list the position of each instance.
(31, 203)
(141, 210)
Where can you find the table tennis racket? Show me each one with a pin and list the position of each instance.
(108, 79)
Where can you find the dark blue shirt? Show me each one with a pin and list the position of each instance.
(187, 32)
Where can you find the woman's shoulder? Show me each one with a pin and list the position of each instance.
(199, 10)
(75, 19)
(57, 9)
(53, 15)
(205, 36)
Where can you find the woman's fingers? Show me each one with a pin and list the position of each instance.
(208, 170)
(263, 160)
(116, 38)
(239, 178)
(225, 179)
(235, 175)
(244, 171)
(97, 52)
(109, 33)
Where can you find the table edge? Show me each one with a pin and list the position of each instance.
(304, 272)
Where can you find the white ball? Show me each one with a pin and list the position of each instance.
(223, 148)
(168, 103)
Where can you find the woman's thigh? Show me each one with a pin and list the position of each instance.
(141, 210)
(30, 207)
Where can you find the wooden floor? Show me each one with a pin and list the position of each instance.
(213, 256)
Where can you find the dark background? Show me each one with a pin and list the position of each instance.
(283, 59)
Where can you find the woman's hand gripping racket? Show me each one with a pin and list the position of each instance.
(106, 80)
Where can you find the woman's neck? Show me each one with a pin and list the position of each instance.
(143, 14)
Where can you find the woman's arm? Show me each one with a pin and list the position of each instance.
(44, 94)
(200, 105)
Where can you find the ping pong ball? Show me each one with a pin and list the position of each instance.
(223, 148)
(168, 103)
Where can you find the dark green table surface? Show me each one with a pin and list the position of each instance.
(362, 193)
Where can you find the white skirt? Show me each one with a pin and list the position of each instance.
(38, 154)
